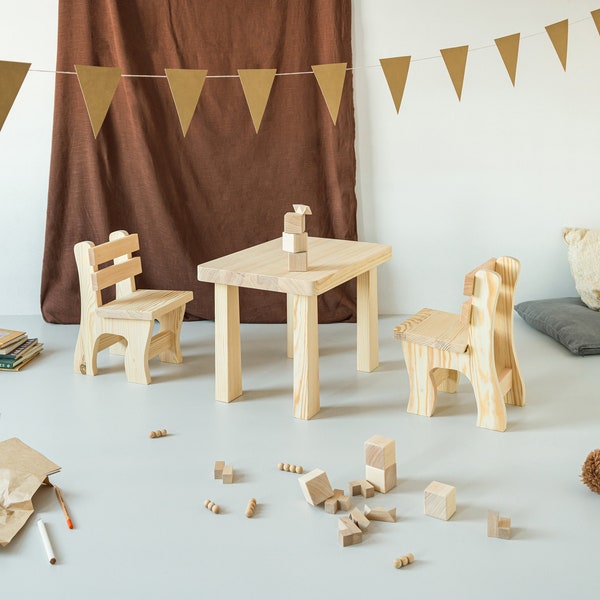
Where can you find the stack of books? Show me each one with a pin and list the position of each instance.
(17, 350)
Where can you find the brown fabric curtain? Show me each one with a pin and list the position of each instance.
(223, 187)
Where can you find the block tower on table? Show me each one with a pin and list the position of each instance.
(380, 463)
(295, 238)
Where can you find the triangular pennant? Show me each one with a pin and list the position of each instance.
(596, 16)
(396, 72)
(456, 61)
(559, 36)
(257, 85)
(12, 75)
(508, 47)
(98, 86)
(331, 79)
(186, 86)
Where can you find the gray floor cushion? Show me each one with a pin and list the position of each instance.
(568, 320)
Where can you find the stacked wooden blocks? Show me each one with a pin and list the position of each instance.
(380, 463)
(223, 471)
(440, 500)
(498, 527)
(295, 238)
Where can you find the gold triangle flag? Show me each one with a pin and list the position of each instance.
(508, 47)
(12, 75)
(257, 85)
(186, 86)
(331, 79)
(559, 36)
(396, 72)
(456, 61)
(98, 86)
(596, 16)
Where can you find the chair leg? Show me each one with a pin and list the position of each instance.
(423, 390)
(172, 322)
(79, 354)
(139, 334)
(491, 412)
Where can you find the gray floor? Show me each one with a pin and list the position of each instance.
(137, 503)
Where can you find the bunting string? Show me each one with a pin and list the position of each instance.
(98, 84)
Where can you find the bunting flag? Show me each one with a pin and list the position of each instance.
(12, 75)
(98, 86)
(186, 86)
(396, 72)
(596, 16)
(508, 47)
(257, 85)
(331, 79)
(456, 61)
(559, 36)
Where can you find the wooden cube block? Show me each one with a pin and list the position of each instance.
(338, 501)
(348, 532)
(498, 527)
(227, 474)
(380, 452)
(383, 480)
(440, 500)
(294, 242)
(219, 469)
(294, 223)
(380, 514)
(297, 261)
(315, 486)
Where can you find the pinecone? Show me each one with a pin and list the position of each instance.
(590, 472)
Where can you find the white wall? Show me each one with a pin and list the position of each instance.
(447, 183)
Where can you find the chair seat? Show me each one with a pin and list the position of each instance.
(436, 329)
(144, 305)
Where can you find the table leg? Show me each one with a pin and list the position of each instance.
(367, 331)
(290, 325)
(228, 355)
(306, 357)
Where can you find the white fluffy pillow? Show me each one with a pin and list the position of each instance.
(584, 260)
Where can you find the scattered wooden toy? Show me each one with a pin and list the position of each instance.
(250, 508)
(440, 500)
(362, 487)
(380, 514)
(359, 519)
(380, 463)
(497, 526)
(219, 466)
(403, 561)
(211, 506)
(290, 468)
(315, 486)
(158, 433)
(348, 532)
(295, 238)
(338, 501)
(227, 474)
(590, 471)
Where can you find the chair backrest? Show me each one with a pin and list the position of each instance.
(107, 264)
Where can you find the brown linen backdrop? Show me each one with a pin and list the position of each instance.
(223, 187)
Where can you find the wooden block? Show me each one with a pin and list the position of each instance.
(380, 514)
(298, 261)
(348, 532)
(294, 223)
(315, 486)
(294, 242)
(359, 519)
(383, 480)
(219, 465)
(354, 487)
(227, 474)
(380, 452)
(440, 500)
(302, 209)
(497, 526)
(504, 528)
(339, 501)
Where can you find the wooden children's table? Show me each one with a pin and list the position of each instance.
(330, 263)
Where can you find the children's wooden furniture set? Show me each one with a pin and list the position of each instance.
(437, 346)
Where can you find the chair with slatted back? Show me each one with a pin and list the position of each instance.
(438, 346)
(126, 323)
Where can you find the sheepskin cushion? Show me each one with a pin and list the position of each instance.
(584, 261)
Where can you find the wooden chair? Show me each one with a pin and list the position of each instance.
(126, 323)
(438, 346)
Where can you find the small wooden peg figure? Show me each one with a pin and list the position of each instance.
(290, 468)
(211, 506)
(403, 561)
(250, 508)
(158, 433)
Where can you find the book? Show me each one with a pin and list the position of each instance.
(22, 362)
(18, 350)
(9, 364)
(9, 336)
